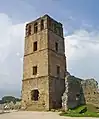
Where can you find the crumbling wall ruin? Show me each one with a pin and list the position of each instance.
(73, 95)
(79, 91)
(90, 90)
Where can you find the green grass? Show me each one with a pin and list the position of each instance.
(91, 112)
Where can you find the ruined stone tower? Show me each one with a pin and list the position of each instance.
(44, 65)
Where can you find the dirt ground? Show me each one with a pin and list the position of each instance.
(36, 115)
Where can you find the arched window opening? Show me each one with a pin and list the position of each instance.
(34, 95)
(42, 24)
(77, 96)
(55, 28)
(50, 23)
(35, 27)
(28, 30)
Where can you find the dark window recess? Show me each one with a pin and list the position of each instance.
(34, 95)
(58, 70)
(42, 24)
(59, 31)
(77, 95)
(28, 30)
(35, 27)
(50, 23)
(35, 46)
(34, 70)
(56, 47)
(55, 28)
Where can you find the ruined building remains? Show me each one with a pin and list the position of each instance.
(79, 91)
(44, 68)
(73, 95)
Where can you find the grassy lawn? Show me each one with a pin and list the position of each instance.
(92, 111)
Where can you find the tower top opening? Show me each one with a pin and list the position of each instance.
(42, 23)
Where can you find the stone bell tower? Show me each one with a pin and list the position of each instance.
(44, 67)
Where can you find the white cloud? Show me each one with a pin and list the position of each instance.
(83, 53)
(11, 52)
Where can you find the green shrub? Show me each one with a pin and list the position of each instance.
(82, 111)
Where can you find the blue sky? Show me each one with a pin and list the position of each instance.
(82, 11)
(81, 31)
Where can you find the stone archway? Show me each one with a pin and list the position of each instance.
(34, 94)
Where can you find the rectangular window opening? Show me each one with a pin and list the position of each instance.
(56, 47)
(34, 70)
(35, 46)
(42, 24)
(58, 70)
(35, 27)
(28, 30)
(55, 28)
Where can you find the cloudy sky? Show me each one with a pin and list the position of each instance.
(81, 32)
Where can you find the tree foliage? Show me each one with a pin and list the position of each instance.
(8, 99)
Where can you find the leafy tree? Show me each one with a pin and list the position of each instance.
(8, 99)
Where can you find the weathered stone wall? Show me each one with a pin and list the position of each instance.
(90, 90)
(79, 91)
(73, 95)
(42, 41)
(56, 90)
(39, 58)
(56, 58)
(46, 58)
(54, 61)
(42, 85)
(52, 38)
